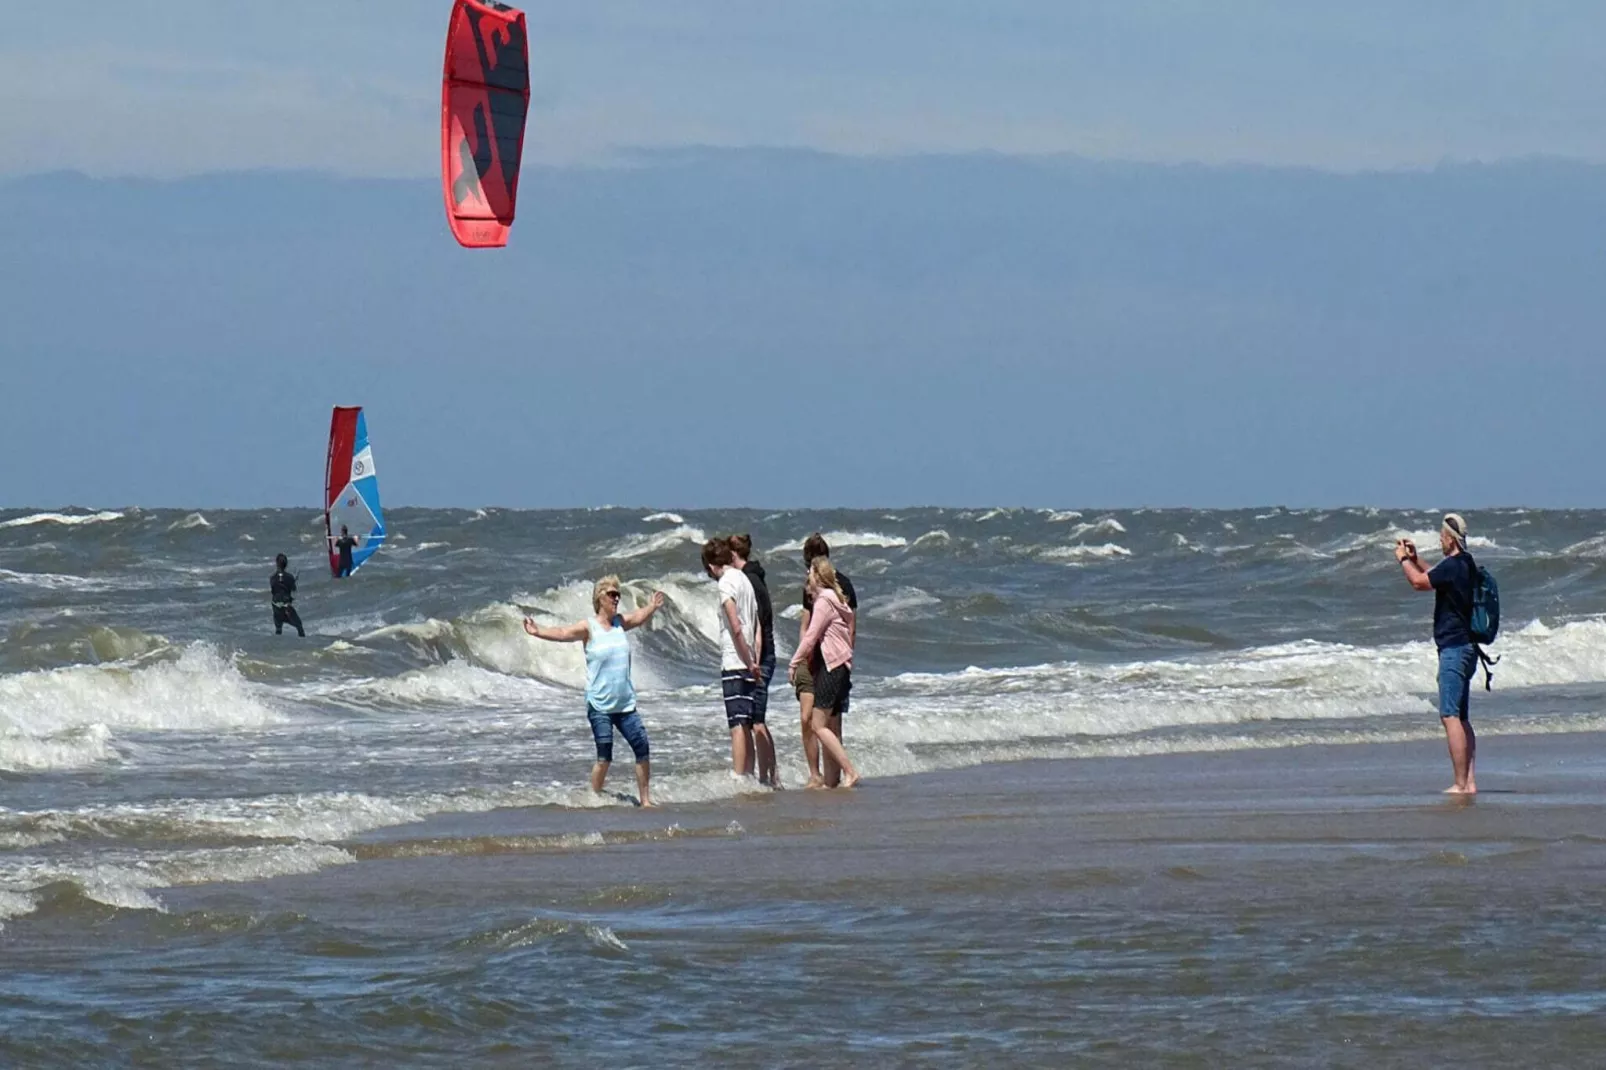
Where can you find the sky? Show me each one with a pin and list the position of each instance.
(170, 88)
(814, 254)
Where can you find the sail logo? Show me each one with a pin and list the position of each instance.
(362, 464)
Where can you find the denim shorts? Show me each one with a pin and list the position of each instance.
(1457, 666)
(629, 725)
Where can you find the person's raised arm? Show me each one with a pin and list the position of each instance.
(566, 633)
(644, 614)
(1415, 573)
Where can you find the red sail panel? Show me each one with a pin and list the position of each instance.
(337, 469)
(485, 96)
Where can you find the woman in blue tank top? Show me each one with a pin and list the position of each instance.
(610, 696)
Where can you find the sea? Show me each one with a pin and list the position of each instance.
(375, 844)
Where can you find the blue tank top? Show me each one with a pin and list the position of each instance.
(608, 687)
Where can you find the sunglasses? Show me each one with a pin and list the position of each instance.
(610, 594)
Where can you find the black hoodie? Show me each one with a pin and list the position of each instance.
(766, 612)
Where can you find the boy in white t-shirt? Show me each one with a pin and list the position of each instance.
(740, 640)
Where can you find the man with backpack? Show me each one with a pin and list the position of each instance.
(1465, 614)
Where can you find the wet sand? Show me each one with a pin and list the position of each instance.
(1318, 906)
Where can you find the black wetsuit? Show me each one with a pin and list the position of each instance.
(283, 586)
(345, 544)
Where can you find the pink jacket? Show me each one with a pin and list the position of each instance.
(830, 628)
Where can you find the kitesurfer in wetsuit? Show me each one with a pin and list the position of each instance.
(344, 545)
(283, 586)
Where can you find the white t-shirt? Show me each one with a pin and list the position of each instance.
(734, 586)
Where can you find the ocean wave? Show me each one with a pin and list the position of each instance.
(192, 522)
(932, 539)
(52, 581)
(50, 718)
(1300, 681)
(125, 880)
(67, 519)
(1385, 539)
(493, 637)
(1105, 526)
(1082, 553)
(840, 539)
(671, 518)
(654, 543)
(899, 604)
(1060, 516)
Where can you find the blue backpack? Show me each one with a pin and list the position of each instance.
(1484, 620)
(1484, 623)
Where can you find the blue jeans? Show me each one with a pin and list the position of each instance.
(1457, 666)
(629, 725)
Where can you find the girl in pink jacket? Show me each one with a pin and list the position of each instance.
(831, 633)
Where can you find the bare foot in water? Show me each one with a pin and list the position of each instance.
(850, 780)
(815, 784)
(1456, 789)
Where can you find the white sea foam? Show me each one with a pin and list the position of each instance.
(839, 539)
(672, 518)
(68, 519)
(1287, 682)
(1385, 539)
(1105, 526)
(899, 604)
(655, 542)
(1082, 553)
(51, 581)
(1060, 516)
(53, 718)
(192, 522)
(126, 879)
(932, 539)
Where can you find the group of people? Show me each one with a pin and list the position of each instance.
(820, 671)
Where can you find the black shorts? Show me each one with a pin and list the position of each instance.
(831, 689)
(740, 709)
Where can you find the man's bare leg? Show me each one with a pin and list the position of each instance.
(764, 744)
(643, 776)
(742, 750)
(599, 773)
(1472, 755)
(1456, 736)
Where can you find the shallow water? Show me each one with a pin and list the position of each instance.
(377, 839)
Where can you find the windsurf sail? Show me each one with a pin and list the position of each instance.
(485, 96)
(351, 488)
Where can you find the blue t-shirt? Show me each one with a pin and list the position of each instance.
(1452, 600)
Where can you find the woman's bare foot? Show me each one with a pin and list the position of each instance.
(815, 784)
(647, 803)
(1456, 789)
(850, 779)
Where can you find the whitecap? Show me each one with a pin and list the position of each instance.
(839, 539)
(69, 519)
(192, 522)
